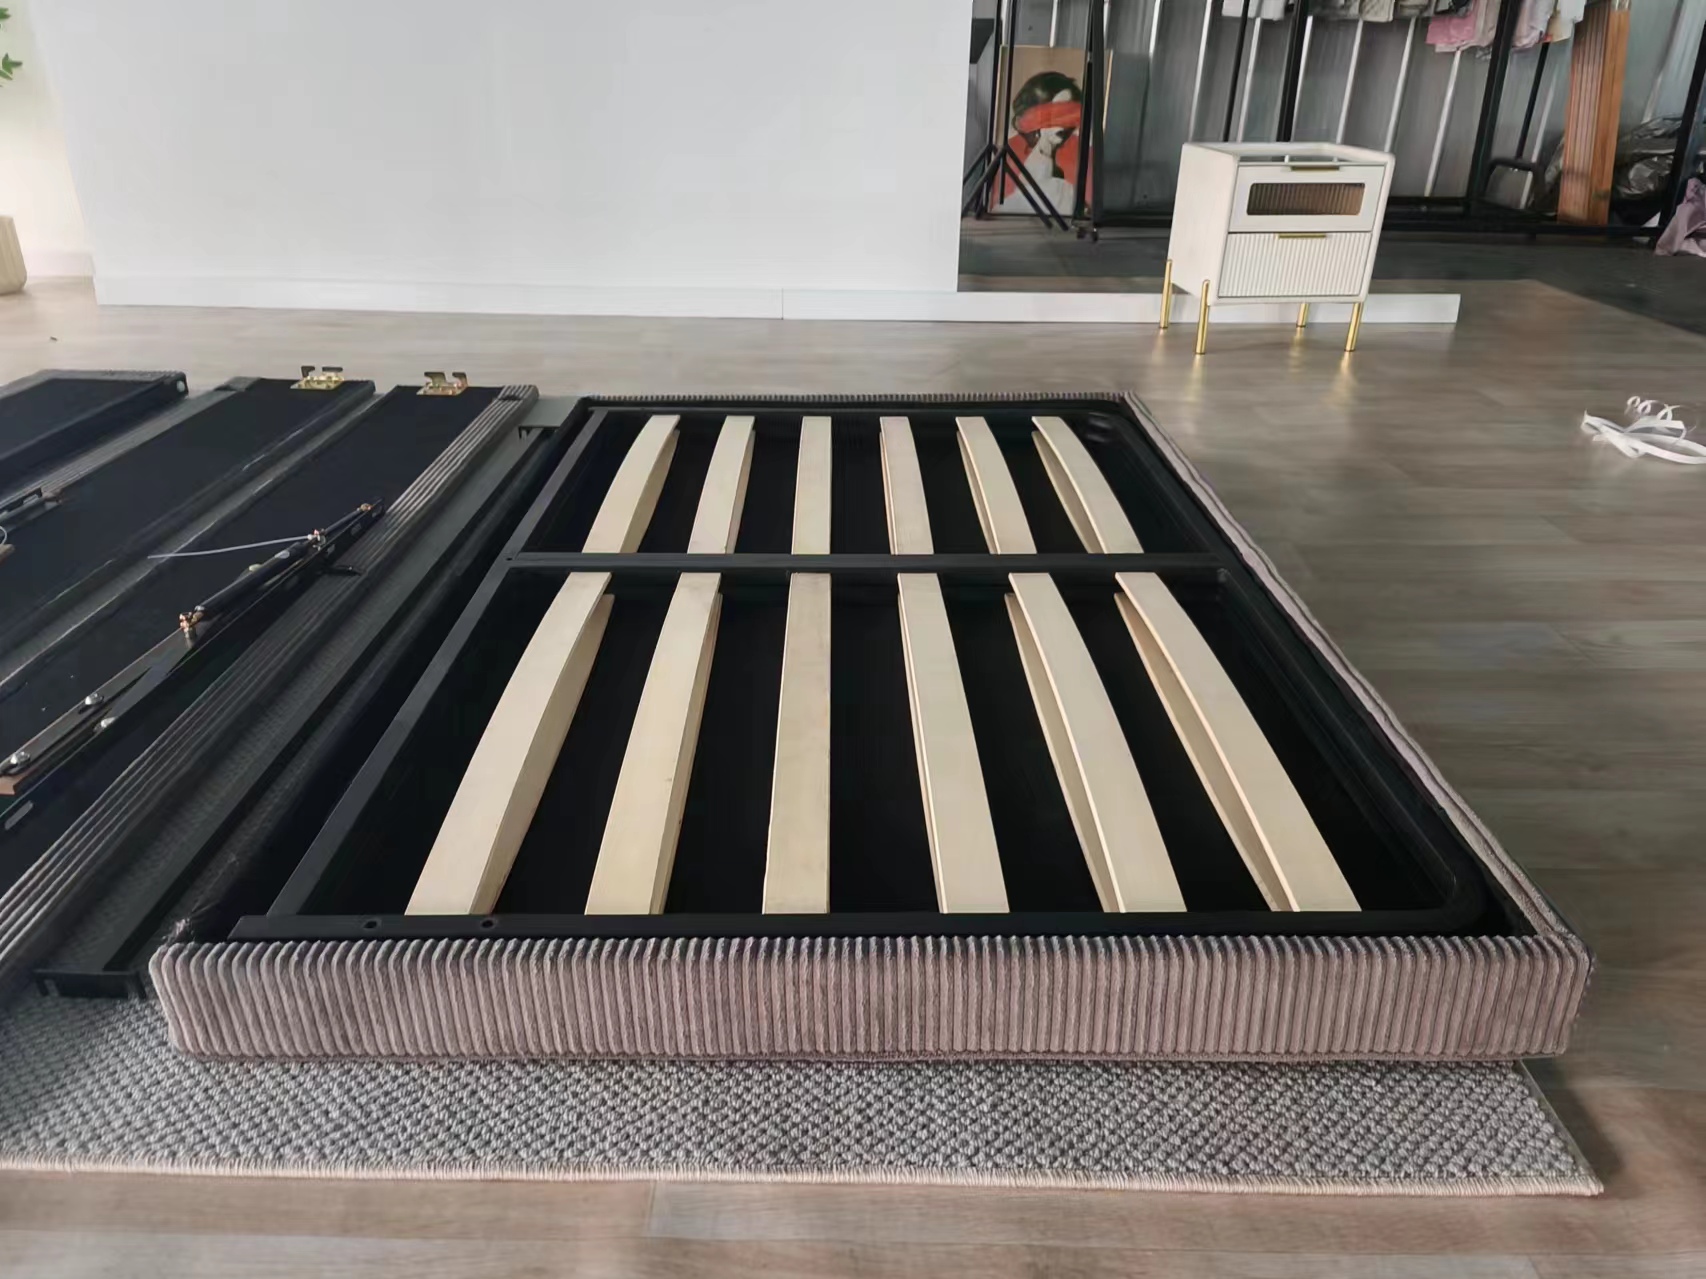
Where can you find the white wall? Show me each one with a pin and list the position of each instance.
(640, 156)
(35, 182)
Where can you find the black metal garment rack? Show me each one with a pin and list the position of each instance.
(1470, 213)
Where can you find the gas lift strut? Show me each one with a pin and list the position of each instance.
(74, 732)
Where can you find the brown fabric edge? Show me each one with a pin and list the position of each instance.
(930, 998)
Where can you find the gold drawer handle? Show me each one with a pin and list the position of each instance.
(1313, 168)
(1300, 235)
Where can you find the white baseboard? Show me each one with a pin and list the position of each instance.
(1102, 308)
(791, 304)
(478, 299)
(48, 264)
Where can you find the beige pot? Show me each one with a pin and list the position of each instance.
(12, 273)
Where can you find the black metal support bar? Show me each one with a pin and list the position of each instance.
(1031, 189)
(1237, 66)
(1533, 97)
(1504, 36)
(1293, 72)
(1093, 126)
(1688, 131)
(1091, 106)
(996, 567)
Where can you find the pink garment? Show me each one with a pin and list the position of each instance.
(1471, 30)
(1687, 230)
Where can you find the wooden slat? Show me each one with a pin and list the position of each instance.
(717, 521)
(1598, 58)
(1064, 490)
(1123, 845)
(796, 866)
(1059, 743)
(812, 488)
(903, 490)
(494, 804)
(999, 509)
(633, 493)
(1262, 810)
(956, 809)
(796, 859)
(1089, 500)
(637, 852)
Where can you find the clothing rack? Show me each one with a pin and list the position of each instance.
(1467, 212)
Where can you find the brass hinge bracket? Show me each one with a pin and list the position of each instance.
(329, 378)
(438, 384)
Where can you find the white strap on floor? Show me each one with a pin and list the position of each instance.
(1652, 430)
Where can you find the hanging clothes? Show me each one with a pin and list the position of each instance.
(1532, 22)
(1471, 30)
(1564, 19)
(1379, 10)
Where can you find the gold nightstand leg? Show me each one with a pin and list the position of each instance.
(1202, 319)
(1356, 327)
(1302, 314)
(1167, 296)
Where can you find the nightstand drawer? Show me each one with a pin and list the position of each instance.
(1295, 265)
(1306, 197)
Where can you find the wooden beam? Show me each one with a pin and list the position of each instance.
(903, 490)
(1598, 59)
(494, 804)
(796, 860)
(812, 488)
(1059, 744)
(956, 808)
(993, 492)
(717, 521)
(633, 493)
(637, 852)
(499, 792)
(1262, 810)
(1123, 845)
(1089, 500)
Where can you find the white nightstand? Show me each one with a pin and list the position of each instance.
(1276, 222)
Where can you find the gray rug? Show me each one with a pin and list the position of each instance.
(94, 1085)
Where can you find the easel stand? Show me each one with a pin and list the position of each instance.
(998, 158)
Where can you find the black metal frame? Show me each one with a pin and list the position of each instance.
(1470, 213)
(253, 593)
(1325, 708)
(113, 967)
(1688, 135)
(152, 391)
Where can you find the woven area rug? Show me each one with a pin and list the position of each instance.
(94, 1085)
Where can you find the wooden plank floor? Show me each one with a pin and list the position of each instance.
(1533, 606)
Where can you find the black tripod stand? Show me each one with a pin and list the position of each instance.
(998, 159)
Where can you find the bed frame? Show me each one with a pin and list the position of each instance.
(887, 726)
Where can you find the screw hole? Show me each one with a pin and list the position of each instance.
(370, 924)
